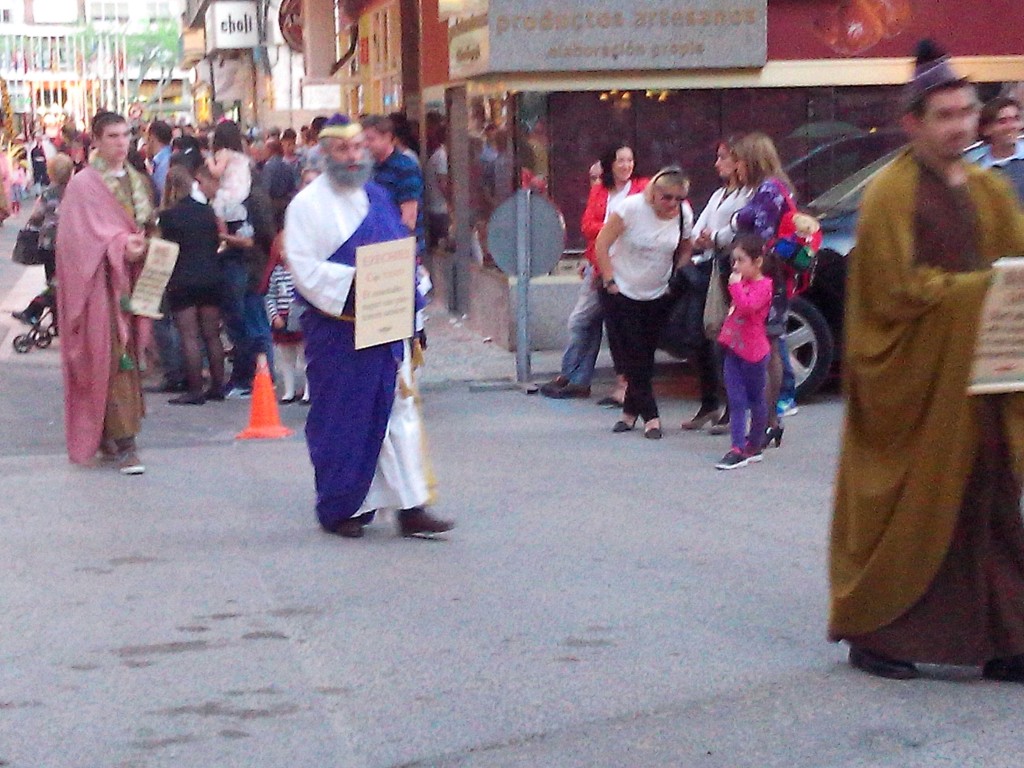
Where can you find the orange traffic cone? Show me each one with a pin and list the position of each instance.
(264, 420)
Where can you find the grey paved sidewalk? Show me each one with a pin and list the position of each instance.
(456, 353)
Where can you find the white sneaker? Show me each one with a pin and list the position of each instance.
(130, 464)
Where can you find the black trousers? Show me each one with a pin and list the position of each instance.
(636, 326)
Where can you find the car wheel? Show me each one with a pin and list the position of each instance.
(811, 346)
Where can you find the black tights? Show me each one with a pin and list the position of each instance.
(191, 322)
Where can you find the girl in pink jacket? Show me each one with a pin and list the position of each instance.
(746, 351)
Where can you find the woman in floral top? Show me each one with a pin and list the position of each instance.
(759, 168)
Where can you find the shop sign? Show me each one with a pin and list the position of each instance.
(231, 24)
(447, 9)
(289, 20)
(468, 53)
(601, 35)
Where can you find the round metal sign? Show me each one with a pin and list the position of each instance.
(547, 230)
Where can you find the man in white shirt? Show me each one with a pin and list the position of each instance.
(1000, 125)
(363, 430)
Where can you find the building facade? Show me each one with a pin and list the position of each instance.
(561, 82)
(315, 57)
(63, 60)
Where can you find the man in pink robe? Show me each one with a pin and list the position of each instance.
(100, 237)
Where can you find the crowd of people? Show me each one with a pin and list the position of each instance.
(221, 196)
(640, 236)
(251, 218)
(927, 546)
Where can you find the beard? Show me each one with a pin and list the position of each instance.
(342, 174)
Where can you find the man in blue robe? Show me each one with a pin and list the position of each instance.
(363, 430)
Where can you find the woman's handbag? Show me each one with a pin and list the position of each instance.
(716, 307)
(683, 333)
(26, 248)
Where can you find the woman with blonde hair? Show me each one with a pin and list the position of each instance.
(194, 290)
(644, 240)
(759, 168)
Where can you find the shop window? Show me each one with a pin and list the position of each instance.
(823, 134)
(109, 10)
(160, 9)
(492, 167)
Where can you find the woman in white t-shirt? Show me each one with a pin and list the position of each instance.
(645, 239)
(712, 238)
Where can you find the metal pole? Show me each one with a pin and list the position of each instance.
(524, 239)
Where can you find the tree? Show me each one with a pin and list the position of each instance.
(145, 49)
(154, 47)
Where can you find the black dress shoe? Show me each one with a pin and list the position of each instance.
(654, 433)
(881, 666)
(773, 435)
(168, 387)
(366, 518)
(1008, 670)
(214, 393)
(188, 399)
(416, 521)
(349, 529)
(622, 426)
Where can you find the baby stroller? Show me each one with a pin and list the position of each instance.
(43, 324)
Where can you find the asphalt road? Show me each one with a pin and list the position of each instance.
(605, 601)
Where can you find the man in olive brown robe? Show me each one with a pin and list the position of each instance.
(927, 544)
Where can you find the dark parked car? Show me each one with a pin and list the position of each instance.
(816, 320)
(815, 329)
(815, 323)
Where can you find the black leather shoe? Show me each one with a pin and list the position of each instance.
(1008, 670)
(349, 529)
(622, 426)
(418, 522)
(881, 666)
(188, 399)
(167, 387)
(773, 435)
